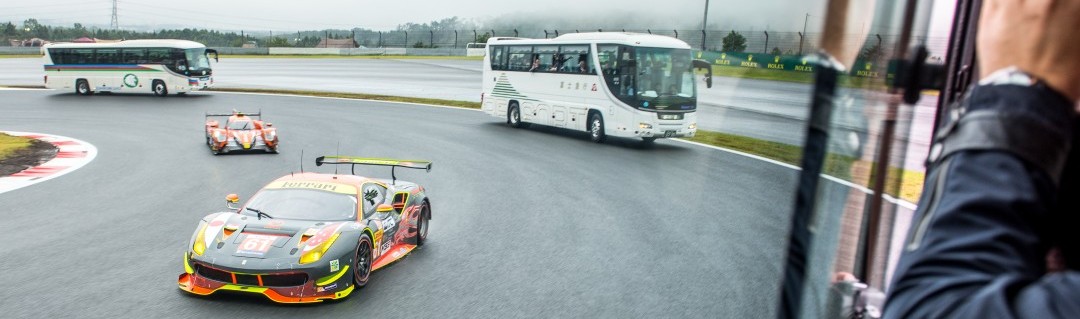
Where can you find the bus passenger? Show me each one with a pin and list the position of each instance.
(536, 63)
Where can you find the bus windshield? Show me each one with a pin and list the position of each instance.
(197, 60)
(650, 79)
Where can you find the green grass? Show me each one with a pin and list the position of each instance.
(900, 183)
(359, 96)
(11, 144)
(328, 56)
(19, 56)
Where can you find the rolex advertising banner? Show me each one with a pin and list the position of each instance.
(794, 63)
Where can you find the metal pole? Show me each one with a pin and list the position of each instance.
(431, 39)
(766, 43)
(474, 36)
(515, 33)
(556, 33)
(380, 39)
(704, 24)
(649, 31)
(800, 42)
(455, 39)
(803, 32)
(676, 33)
(326, 39)
(406, 39)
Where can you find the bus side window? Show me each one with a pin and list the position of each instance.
(133, 56)
(82, 56)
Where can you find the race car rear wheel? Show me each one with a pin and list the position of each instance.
(362, 261)
(422, 220)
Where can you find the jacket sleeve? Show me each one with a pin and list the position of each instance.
(978, 244)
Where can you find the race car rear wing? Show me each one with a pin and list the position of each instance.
(235, 112)
(353, 161)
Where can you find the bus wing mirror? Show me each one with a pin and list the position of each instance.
(214, 52)
(705, 65)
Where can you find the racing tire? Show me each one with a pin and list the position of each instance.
(596, 128)
(363, 261)
(159, 88)
(82, 87)
(513, 115)
(422, 224)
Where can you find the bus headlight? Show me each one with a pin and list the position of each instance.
(693, 126)
(645, 126)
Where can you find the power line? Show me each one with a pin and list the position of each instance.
(114, 23)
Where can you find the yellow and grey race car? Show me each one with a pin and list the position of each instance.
(309, 237)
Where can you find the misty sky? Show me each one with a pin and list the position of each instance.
(783, 15)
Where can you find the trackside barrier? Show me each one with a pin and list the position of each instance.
(794, 63)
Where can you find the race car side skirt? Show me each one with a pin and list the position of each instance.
(395, 253)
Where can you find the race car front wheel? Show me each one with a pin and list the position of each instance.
(362, 261)
(422, 220)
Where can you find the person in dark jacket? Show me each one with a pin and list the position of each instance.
(997, 231)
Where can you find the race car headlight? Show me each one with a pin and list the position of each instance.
(270, 136)
(200, 243)
(219, 136)
(318, 251)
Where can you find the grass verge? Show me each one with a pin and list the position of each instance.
(358, 96)
(11, 144)
(900, 183)
(19, 56)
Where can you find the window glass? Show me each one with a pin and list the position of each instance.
(107, 56)
(520, 58)
(548, 55)
(81, 56)
(575, 59)
(498, 57)
(133, 56)
(305, 204)
(372, 195)
(157, 56)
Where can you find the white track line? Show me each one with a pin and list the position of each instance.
(71, 155)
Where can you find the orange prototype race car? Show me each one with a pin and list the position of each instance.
(309, 237)
(241, 132)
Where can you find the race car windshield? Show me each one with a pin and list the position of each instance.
(241, 125)
(304, 204)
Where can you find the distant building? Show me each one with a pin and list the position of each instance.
(338, 43)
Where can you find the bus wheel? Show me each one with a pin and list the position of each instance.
(82, 88)
(160, 89)
(596, 129)
(513, 115)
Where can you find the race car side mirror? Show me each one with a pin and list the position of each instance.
(212, 124)
(382, 208)
(268, 124)
(231, 200)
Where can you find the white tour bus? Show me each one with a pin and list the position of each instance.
(158, 66)
(605, 83)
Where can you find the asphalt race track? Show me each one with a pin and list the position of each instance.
(527, 222)
(768, 110)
